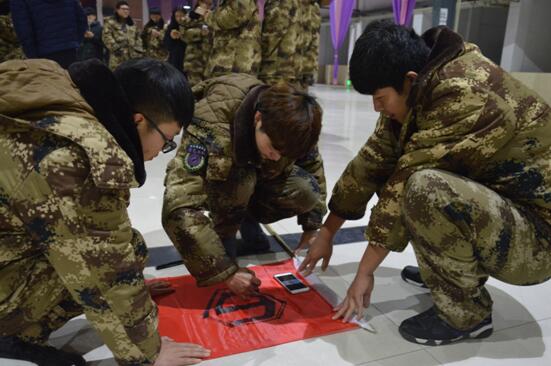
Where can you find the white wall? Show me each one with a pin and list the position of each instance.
(527, 45)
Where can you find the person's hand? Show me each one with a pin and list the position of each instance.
(158, 288)
(155, 33)
(88, 34)
(243, 283)
(204, 31)
(321, 247)
(174, 34)
(306, 239)
(357, 298)
(180, 354)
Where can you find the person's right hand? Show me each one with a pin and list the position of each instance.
(243, 283)
(321, 247)
(89, 34)
(357, 298)
(180, 354)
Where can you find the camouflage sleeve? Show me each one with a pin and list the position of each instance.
(191, 35)
(231, 15)
(88, 239)
(313, 164)
(187, 225)
(108, 37)
(464, 134)
(276, 26)
(365, 174)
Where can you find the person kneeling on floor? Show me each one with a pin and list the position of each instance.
(460, 162)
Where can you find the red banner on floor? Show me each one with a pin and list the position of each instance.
(222, 322)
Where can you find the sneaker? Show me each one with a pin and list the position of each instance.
(17, 349)
(254, 240)
(429, 329)
(411, 275)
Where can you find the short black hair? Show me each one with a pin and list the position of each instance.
(121, 3)
(383, 55)
(157, 89)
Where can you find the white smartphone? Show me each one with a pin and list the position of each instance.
(291, 283)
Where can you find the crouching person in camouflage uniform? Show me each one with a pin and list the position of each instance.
(460, 162)
(69, 156)
(249, 155)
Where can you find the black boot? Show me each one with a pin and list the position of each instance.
(427, 328)
(411, 275)
(17, 349)
(254, 240)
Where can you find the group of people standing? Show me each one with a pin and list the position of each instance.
(204, 41)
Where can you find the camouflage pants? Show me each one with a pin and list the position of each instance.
(34, 302)
(266, 200)
(462, 232)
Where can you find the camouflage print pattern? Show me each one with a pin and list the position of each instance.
(479, 234)
(280, 30)
(66, 243)
(308, 51)
(197, 40)
(122, 40)
(468, 117)
(232, 180)
(10, 49)
(153, 45)
(235, 39)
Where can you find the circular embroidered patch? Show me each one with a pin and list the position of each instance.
(195, 158)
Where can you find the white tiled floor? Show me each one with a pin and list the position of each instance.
(522, 315)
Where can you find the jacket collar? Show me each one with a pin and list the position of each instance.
(104, 94)
(445, 45)
(242, 129)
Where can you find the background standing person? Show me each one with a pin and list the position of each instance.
(92, 45)
(172, 39)
(153, 35)
(121, 37)
(49, 29)
(310, 32)
(10, 48)
(280, 31)
(195, 33)
(235, 39)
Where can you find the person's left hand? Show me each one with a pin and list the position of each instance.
(357, 298)
(159, 288)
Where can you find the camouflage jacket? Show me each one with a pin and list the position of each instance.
(64, 192)
(10, 48)
(236, 38)
(191, 31)
(280, 30)
(468, 117)
(153, 45)
(122, 40)
(228, 153)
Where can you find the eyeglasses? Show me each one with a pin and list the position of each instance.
(169, 145)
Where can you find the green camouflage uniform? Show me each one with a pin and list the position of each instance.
(466, 178)
(308, 51)
(235, 40)
(196, 50)
(217, 170)
(9, 44)
(280, 30)
(153, 46)
(122, 40)
(66, 243)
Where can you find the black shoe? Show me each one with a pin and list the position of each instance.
(254, 241)
(411, 275)
(428, 329)
(17, 349)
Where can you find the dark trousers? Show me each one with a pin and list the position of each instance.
(64, 58)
